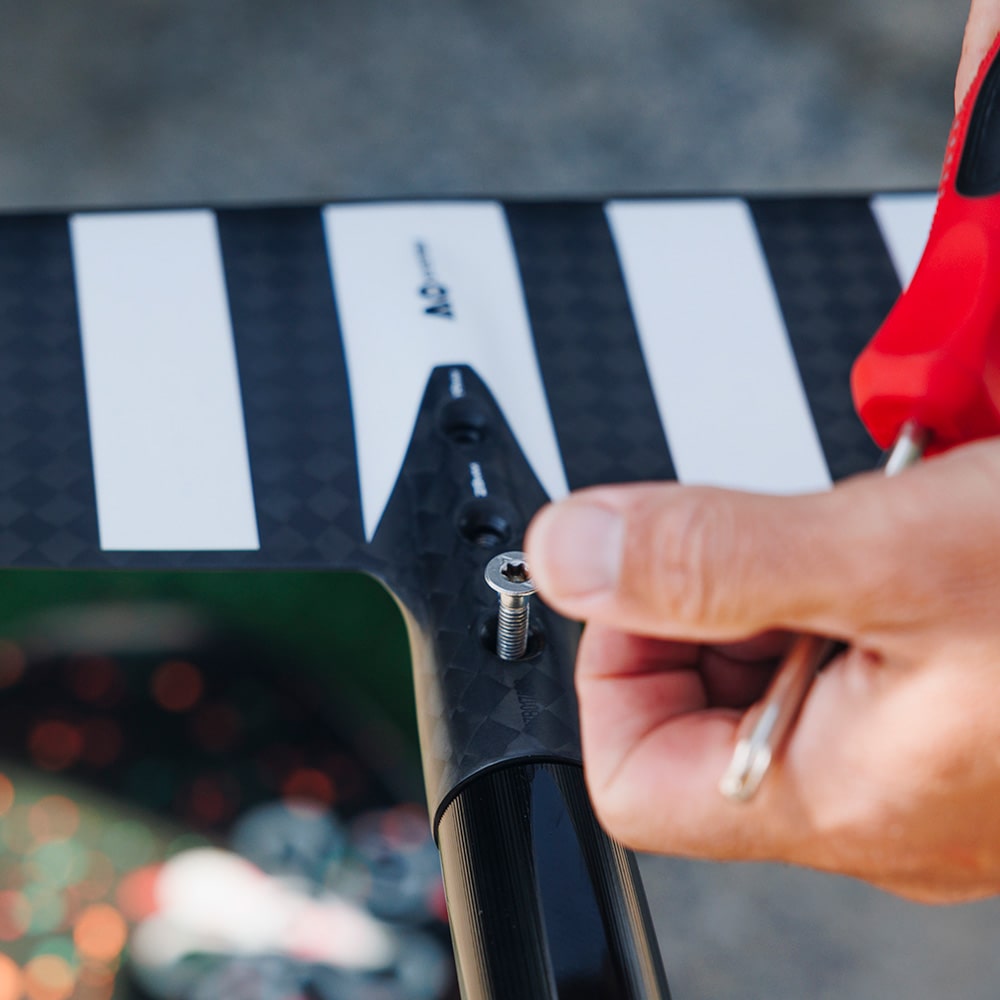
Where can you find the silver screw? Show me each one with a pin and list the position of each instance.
(508, 575)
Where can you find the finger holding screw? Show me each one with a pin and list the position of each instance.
(509, 576)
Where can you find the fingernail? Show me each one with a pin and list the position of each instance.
(577, 549)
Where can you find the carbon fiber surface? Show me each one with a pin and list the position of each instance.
(828, 263)
(463, 497)
(602, 404)
(464, 490)
(531, 873)
(835, 283)
(295, 393)
(47, 508)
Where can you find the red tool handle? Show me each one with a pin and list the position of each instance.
(936, 358)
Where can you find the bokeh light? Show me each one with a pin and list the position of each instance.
(58, 863)
(11, 980)
(129, 844)
(406, 827)
(54, 745)
(6, 793)
(169, 742)
(54, 817)
(136, 893)
(11, 870)
(437, 902)
(60, 946)
(15, 915)
(309, 784)
(177, 685)
(100, 933)
(15, 831)
(96, 981)
(48, 908)
(49, 977)
(99, 879)
(12, 663)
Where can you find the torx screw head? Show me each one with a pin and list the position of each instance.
(509, 576)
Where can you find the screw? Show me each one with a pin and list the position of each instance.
(508, 575)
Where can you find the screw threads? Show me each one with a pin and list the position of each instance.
(508, 575)
(512, 628)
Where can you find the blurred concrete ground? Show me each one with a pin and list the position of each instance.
(126, 101)
(129, 102)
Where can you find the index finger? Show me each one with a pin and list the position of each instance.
(980, 31)
(655, 749)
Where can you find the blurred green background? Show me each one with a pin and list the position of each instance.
(343, 627)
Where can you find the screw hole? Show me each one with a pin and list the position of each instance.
(462, 422)
(488, 637)
(484, 524)
(488, 536)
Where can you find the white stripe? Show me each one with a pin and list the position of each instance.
(723, 372)
(166, 419)
(421, 285)
(905, 222)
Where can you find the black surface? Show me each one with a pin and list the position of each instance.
(835, 284)
(474, 709)
(830, 268)
(602, 404)
(48, 512)
(541, 902)
(296, 399)
(979, 169)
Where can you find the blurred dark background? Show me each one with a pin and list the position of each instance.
(147, 102)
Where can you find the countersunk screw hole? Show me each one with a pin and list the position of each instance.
(485, 524)
(488, 637)
(462, 422)
(488, 538)
(465, 434)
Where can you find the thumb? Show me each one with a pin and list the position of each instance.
(713, 565)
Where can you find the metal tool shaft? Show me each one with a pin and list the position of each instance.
(768, 724)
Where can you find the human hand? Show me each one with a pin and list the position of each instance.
(980, 31)
(892, 773)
